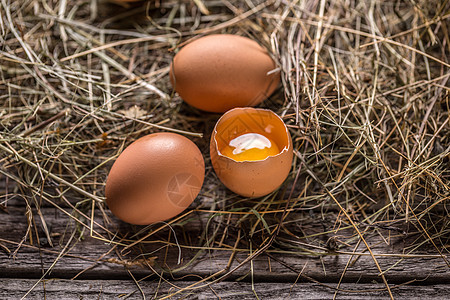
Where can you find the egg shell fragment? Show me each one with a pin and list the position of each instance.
(219, 72)
(155, 178)
(251, 178)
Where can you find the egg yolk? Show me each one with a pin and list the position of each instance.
(250, 147)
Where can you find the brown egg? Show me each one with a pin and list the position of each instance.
(155, 178)
(222, 71)
(251, 151)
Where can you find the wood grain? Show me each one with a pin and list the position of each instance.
(92, 256)
(120, 289)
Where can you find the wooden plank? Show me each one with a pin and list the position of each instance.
(92, 256)
(116, 289)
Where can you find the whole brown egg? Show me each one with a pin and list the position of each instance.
(155, 178)
(219, 72)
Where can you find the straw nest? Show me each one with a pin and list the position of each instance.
(364, 92)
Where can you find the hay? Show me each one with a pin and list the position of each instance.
(365, 94)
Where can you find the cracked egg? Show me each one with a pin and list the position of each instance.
(251, 151)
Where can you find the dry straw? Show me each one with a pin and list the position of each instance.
(365, 93)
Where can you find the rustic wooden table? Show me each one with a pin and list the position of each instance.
(75, 263)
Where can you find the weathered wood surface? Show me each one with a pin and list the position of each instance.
(103, 271)
(120, 289)
(92, 257)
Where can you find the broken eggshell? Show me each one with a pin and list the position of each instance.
(263, 174)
